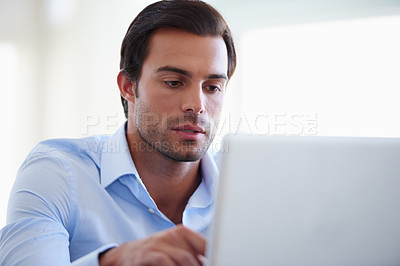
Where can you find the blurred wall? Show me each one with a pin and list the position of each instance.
(58, 65)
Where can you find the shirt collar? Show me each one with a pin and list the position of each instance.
(116, 160)
(210, 172)
(205, 193)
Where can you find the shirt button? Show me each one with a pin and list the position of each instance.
(151, 210)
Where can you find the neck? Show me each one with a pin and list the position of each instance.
(170, 183)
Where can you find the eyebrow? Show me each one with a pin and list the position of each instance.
(173, 69)
(187, 73)
(218, 76)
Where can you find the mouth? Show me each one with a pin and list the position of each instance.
(189, 131)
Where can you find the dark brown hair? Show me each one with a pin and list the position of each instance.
(193, 16)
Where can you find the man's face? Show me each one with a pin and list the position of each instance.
(180, 93)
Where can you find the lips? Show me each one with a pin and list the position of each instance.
(189, 132)
(190, 129)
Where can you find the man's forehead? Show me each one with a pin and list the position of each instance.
(168, 35)
(172, 30)
(181, 49)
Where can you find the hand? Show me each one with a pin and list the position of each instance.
(176, 246)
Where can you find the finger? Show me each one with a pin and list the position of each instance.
(203, 260)
(157, 258)
(196, 241)
(181, 256)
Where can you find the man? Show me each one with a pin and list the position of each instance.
(144, 195)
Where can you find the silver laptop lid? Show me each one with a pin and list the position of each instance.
(307, 201)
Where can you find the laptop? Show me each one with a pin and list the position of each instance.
(302, 200)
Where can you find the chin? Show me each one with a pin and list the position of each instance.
(186, 156)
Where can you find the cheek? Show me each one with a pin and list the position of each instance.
(156, 101)
(214, 107)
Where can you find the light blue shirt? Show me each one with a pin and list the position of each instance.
(75, 198)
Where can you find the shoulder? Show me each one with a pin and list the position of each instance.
(51, 174)
(60, 160)
(71, 150)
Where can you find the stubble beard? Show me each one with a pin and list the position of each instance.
(156, 132)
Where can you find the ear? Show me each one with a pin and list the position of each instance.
(126, 87)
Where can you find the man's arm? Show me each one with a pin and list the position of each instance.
(38, 217)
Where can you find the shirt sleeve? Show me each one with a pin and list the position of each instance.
(40, 216)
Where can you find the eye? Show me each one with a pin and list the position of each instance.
(173, 83)
(212, 89)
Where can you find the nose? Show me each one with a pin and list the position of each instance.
(193, 100)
